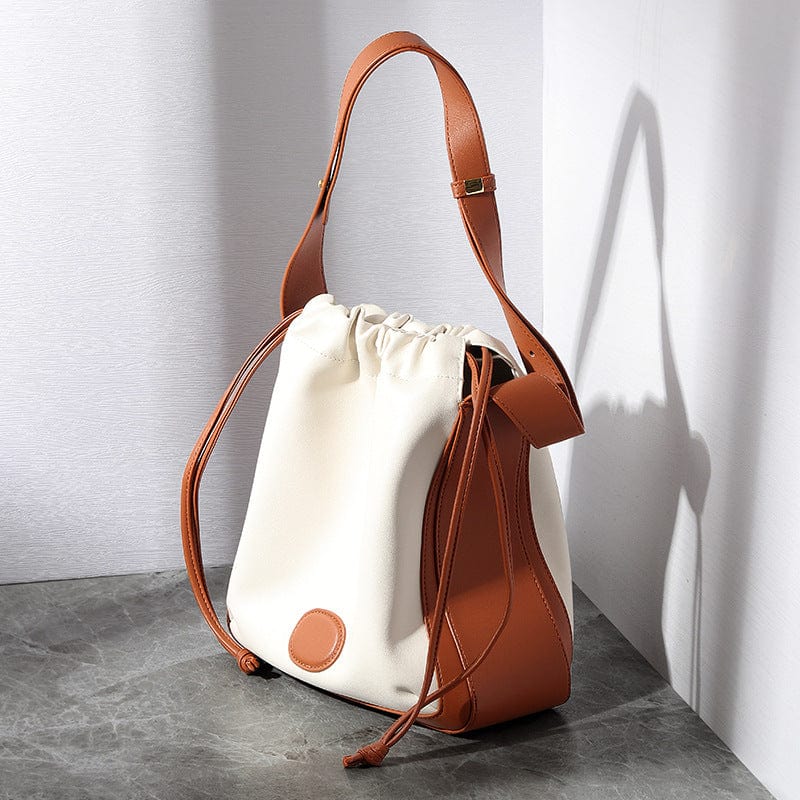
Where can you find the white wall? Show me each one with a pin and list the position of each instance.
(159, 160)
(672, 197)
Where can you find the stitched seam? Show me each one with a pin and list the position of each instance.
(364, 374)
(447, 132)
(529, 337)
(516, 420)
(337, 645)
(192, 539)
(495, 457)
(191, 550)
(474, 114)
(300, 340)
(426, 523)
(526, 488)
(467, 681)
(492, 453)
(525, 450)
(346, 112)
(436, 59)
(468, 481)
(500, 402)
(469, 218)
(373, 66)
(549, 364)
(481, 143)
(476, 126)
(194, 560)
(451, 627)
(320, 264)
(446, 472)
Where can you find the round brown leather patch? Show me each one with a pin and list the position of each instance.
(316, 640)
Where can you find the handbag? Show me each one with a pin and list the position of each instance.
(404, 543)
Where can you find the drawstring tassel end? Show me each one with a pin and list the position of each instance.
(370, 755)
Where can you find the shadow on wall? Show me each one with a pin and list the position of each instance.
(763, 55)
(272, 140)
(631, 468)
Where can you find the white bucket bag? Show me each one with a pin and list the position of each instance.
(407, 549)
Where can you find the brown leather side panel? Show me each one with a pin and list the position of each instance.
(528, 669)
(456, 707)
(539, 408)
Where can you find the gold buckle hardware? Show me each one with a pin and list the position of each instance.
(473, 186)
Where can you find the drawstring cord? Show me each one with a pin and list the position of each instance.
(374, 753)
(190, 514)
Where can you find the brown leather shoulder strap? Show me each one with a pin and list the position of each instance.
(304, 276)
(473, 187)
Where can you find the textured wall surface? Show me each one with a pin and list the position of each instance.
(672, 196)
(159, 161)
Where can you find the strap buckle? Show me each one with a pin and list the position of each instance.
(473, 186)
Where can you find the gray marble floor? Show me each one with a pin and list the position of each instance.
(114, 688)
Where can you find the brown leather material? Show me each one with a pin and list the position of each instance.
(462, 189)
(540, 409)
(528, 668)
(455, 709)
(500, 640)
(190, 516)
(373, 754)
(317, 640)
(505, 618)
(464, 140)
(462, 573)
(305, 276)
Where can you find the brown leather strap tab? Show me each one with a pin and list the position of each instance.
(539, 409)
(305, 277)
(470, 186)
(190, 515)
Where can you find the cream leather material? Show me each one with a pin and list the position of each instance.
(548, 522)
(362, 407)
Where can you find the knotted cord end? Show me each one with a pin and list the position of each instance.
(370, 755)
(248, 662)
